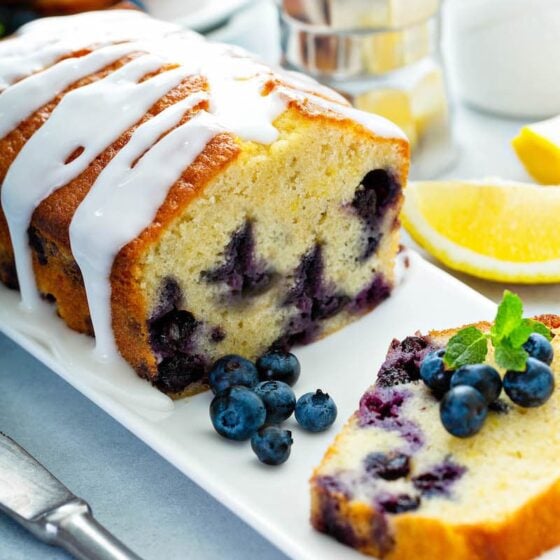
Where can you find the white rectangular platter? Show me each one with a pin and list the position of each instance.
(275, 501)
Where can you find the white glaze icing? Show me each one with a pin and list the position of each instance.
(125, 198)
(25, 97)
(41, 43)
(91, 117)
(236, 80)
(98, 230)
(297, 80)
(71, 355)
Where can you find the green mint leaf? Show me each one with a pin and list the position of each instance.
(468, 346)
(511, 358)
(539, 328)
(509, 316)
(518, 337)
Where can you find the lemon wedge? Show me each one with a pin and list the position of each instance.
(496, 230)
(538, 148)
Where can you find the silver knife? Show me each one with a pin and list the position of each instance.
(32, 496)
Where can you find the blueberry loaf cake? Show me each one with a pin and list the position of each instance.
(180, 200)
(397, 484)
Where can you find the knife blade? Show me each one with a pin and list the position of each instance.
(26, 490)
(36, 499)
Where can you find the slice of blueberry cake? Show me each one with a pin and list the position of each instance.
(398, 483)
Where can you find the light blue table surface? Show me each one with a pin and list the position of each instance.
(144, 500)
(140, 497)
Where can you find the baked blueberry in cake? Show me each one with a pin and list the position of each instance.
(410, 476)
(182, 201)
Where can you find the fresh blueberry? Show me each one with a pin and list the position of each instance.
(388, 466)
(279, 400)
(538, 347)
(272, 445)
(463, 411)
(531, 387)
(315, 412)
(237, 413)
(439, 479)
(399, 503)
(484, 378)
(433, 373)
(232, 370)
(277, 365)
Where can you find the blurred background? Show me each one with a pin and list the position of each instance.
(462, 78)
(413, 61)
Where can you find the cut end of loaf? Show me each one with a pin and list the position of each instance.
(290, 243)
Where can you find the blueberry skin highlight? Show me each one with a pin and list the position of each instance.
(232, 370)
(463, 411)
(433, 373)
(538, 347)
(272, 445)
(482, 377)
(278, 398)
(532, 387)
(237, 413)
(315, 412)
(277, 365)
(388, 466)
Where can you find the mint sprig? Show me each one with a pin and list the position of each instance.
(508, 335)
(508, 318)
(510, 332)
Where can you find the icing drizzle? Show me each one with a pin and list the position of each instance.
(37, 65)
(40, 43)
(89, 119)
(135, 189)
(26, 96)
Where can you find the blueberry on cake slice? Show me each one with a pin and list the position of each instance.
(441, 460)
(181, 201)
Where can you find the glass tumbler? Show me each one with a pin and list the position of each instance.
(384, 57)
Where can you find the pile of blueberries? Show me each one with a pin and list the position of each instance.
(252, 400)
(467, 392)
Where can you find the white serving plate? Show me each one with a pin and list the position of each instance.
(275, 501)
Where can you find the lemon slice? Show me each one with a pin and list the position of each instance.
(494, 230)
(538, 148)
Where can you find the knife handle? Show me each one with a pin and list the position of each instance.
(74, 528)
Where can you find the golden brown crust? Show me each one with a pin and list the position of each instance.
(54, 214)
(129, 309)
(60, 277)
(12, 143)
(353, 523)
(64, 7)
(525, 534)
